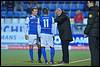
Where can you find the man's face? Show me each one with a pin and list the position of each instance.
(34, 12)
(58, 12)
(89, 4)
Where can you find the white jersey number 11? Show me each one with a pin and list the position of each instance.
(46, 22)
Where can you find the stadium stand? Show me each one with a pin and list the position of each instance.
(80, 6)
(66, 7)
(73, 7)
(3, 14)
(9, 14)
(69, 6)
(52, 7)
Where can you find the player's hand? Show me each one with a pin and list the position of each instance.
(26, 37)
(53, 37)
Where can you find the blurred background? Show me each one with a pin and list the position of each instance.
(14, 13)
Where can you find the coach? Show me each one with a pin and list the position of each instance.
(63, 25)
(92, 32)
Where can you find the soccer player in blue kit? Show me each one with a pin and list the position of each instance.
(46, 35)
(31, 31)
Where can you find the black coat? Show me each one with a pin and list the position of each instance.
(92, 28)
(63, 25)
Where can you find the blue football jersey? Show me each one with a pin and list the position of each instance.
(32, 24)
(46, 24)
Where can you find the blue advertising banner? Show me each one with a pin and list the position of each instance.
(14, 33)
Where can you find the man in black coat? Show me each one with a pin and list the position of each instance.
(92, 31)
(63, 25)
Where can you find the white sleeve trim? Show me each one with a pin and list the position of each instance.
(39, 27)
(54, 27)
(26, 25)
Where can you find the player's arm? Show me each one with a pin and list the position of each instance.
(39, 27)
(26, 28)
(53, 27)
(38, 35)
(90, 23)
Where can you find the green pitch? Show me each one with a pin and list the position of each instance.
(21, 58)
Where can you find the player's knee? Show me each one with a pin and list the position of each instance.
(42, 46)
(51, 46)
(39, 46)
(30, 46)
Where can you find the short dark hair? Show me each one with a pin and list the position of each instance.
(45, 11)
(34, 9)
(94, 2)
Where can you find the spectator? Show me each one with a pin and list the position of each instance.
(78, 19)
(39, 9)
(18, 6)
(9, 5)
(3, 6)
(3, 3)
(29, 8)
(86, 6)
(97, 3)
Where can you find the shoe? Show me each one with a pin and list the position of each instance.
(32, 61)
(62, 62)
(39, 61)
(51, 62)
(46, 62)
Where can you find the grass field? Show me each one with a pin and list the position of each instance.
(21, 58)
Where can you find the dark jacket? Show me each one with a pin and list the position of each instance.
(63, 25)
(92, 28)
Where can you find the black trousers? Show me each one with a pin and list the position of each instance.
(65, 51)
(94, 50)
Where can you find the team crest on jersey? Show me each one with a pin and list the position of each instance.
(98, 13)
(90, 16)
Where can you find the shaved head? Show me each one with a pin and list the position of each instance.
(58, 11)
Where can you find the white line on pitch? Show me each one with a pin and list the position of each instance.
(72, 62)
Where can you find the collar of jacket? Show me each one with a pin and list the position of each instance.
(62, 14)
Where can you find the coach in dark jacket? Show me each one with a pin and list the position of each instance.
(63, 25)
(92, 31)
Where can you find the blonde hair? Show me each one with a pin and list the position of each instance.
(78, 11)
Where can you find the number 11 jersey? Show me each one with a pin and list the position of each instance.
(46, 23)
